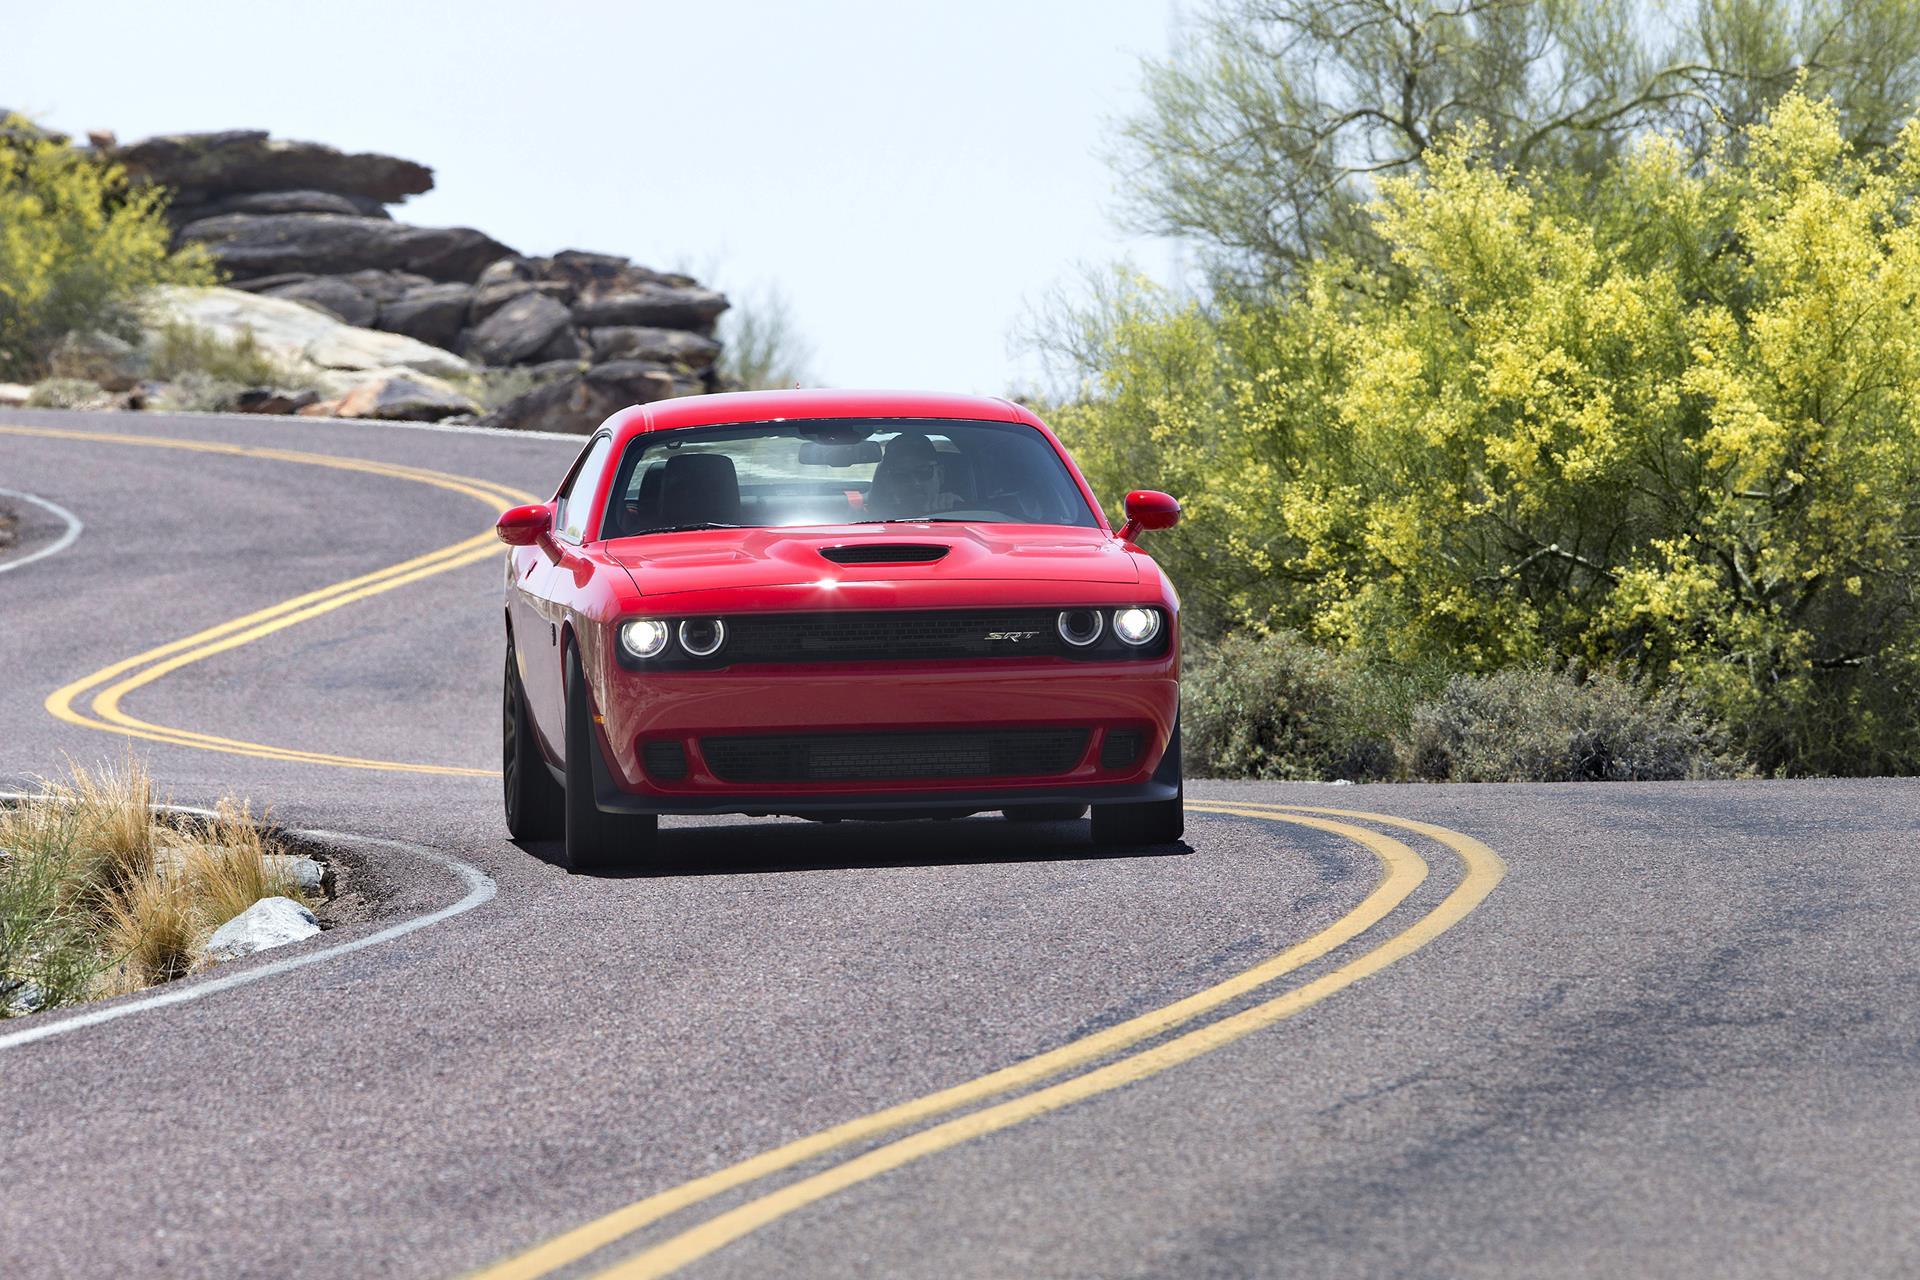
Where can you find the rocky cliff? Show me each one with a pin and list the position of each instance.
(311, 224)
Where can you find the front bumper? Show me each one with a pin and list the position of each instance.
(681, 709)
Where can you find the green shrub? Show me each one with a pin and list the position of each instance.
(77, 248)
(1531, 724)
(177, 350)
(67, 393)
(195, 392)
(1277, 707)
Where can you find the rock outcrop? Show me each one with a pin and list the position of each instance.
(306, 225)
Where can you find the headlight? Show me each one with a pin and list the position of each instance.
(644, 637)
(1136, 626)
(702, 637)
(1081, 627)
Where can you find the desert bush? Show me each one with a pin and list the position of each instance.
(763, 346)
(77, 248)
(98, 898)
(1278, 707)
(67, 393)
(1532, 724)
(1661, 418)
(193, 392)
(178, 351)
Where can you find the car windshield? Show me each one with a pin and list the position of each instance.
(841, 471)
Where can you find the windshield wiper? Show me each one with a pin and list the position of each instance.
(685, 528)
(928, 520)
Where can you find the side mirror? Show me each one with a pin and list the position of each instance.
(522, 526)
(1148, 509)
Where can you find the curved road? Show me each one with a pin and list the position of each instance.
(1680, 1037)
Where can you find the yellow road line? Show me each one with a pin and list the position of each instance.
(1402, 871)
(105, 704)
(1484, 870)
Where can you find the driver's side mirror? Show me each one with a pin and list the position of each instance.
(522, 526)
(1149, 509)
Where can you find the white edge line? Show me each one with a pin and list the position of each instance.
(480, 889)
(65, 540)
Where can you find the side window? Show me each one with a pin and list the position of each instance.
(576, 504)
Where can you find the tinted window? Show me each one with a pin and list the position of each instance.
(576, 504)
(843, 471)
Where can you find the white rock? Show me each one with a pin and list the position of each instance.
(308, 874)
(26, 998)
(14, 394)
(299, 335)
(270, 922)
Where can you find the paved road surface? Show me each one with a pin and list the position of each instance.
(1680, 1038)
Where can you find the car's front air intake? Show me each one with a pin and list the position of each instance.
(862, 757)
(885, 553)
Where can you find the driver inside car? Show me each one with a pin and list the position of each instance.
(910, 480)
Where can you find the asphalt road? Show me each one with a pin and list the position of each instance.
(1681, 1037)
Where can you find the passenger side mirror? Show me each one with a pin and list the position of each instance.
(522, 526)
(1149, 509)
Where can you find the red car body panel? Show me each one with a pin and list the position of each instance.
(561, 592)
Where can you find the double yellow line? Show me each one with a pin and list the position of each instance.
(104, 689)
(1402, 871)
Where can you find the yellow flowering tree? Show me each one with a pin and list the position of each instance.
(1667, 416)
(76, 247)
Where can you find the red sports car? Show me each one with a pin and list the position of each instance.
(835, 605)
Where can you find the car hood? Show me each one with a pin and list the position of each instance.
(728, 559)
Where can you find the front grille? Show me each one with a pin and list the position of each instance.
(884, 553)
(863, 757)
(856, 636)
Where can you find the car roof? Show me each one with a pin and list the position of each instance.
(766, 406)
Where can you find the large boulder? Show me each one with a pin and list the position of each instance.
(249, 160)
(279, 202)
(101, 358)
(270, 922)
(582, 401)
(305, 339)
(520, 331)
(433, 313)
(655, 306)
(386, 286)
(401, 398)
(333, 295)
(595, 275)
(661, 346)
(261, 244)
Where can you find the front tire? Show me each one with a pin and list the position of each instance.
(534, 801)
(597, 840)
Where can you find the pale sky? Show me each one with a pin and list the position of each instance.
(910, 176)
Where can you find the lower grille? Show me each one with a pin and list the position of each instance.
(863, 757)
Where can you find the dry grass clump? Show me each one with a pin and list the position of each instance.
(97, 898)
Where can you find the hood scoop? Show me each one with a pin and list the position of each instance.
(885, 553)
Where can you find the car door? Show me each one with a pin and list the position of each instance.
(546, 588)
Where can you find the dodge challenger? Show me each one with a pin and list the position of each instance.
(834, 605)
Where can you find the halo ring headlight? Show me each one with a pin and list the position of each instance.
(702, 637)
(644, 637)
(1136, 626)
(1081, 627)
